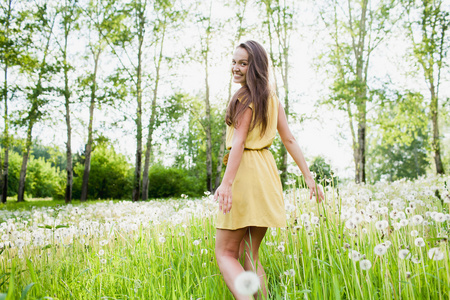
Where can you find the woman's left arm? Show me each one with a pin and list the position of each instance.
(223, 192)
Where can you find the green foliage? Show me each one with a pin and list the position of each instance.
(399, 138)
(324, 174)
(110, 176)
(169, 182)
(43, 180)
(15, 161)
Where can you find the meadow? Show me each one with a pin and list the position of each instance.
(382, 241)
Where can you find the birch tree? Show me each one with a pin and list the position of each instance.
(101, 17)
(206, 35)
(428, 27)
(356, 28)
(69, 14)
(39, 76)
(167, 18)
(15, 37)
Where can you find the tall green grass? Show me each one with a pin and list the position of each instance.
(169, 261)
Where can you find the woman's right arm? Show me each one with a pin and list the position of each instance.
(294, 150)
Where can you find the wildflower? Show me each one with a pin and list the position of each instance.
(290, 272)
(247, 283)
(162, 239)
(404, 222)
(419, 242)
(350, 224)
(404, 254)
(204, 251)
(103, 261)
(435, 254)
(181, 233)
(101, 252)
(417, 220)
(204, 265)
(439, 217)
(19, 243)
(380, 249)
(365, 264)
(314, 220)
(408, 275)
(103, 242)
(281, 248)
(357, 218)
(196, 242)
(414, 233)
(415, 259)
(380, 225)
(354, 255)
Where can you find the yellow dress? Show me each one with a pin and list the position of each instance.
(257, 193)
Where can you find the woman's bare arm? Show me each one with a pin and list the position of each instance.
(223, 192)
(294, 150)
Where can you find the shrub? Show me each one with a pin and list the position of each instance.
(110, 176)
(172, 182)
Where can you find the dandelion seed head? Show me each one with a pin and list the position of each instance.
(354, 255)
(404, 254)
(380, 249)
(365, 264)
(247, 283)
(435, 254)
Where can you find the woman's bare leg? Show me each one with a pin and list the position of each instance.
(227, 255)
(250, 247)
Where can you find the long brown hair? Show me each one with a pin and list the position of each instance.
(256, 90)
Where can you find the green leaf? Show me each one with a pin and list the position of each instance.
(26, 290)
(46, 247)
(33, 274)
(61, 226)
(46, 226)
(10, 294)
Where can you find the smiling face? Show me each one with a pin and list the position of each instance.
(239, 66)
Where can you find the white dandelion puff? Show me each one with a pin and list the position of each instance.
(414, 233)
(354, 255)
(380, 225)
(415, 259)
(380, 249)
(365, 264)
(419, 242)
(435, 254)
(247, 283)
(404, 254)
(417, 220)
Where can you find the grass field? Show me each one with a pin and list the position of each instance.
(383, 241)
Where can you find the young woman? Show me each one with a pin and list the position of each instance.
(250, 195)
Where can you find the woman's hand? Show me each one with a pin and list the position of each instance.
(223, 195)
(314, 189)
